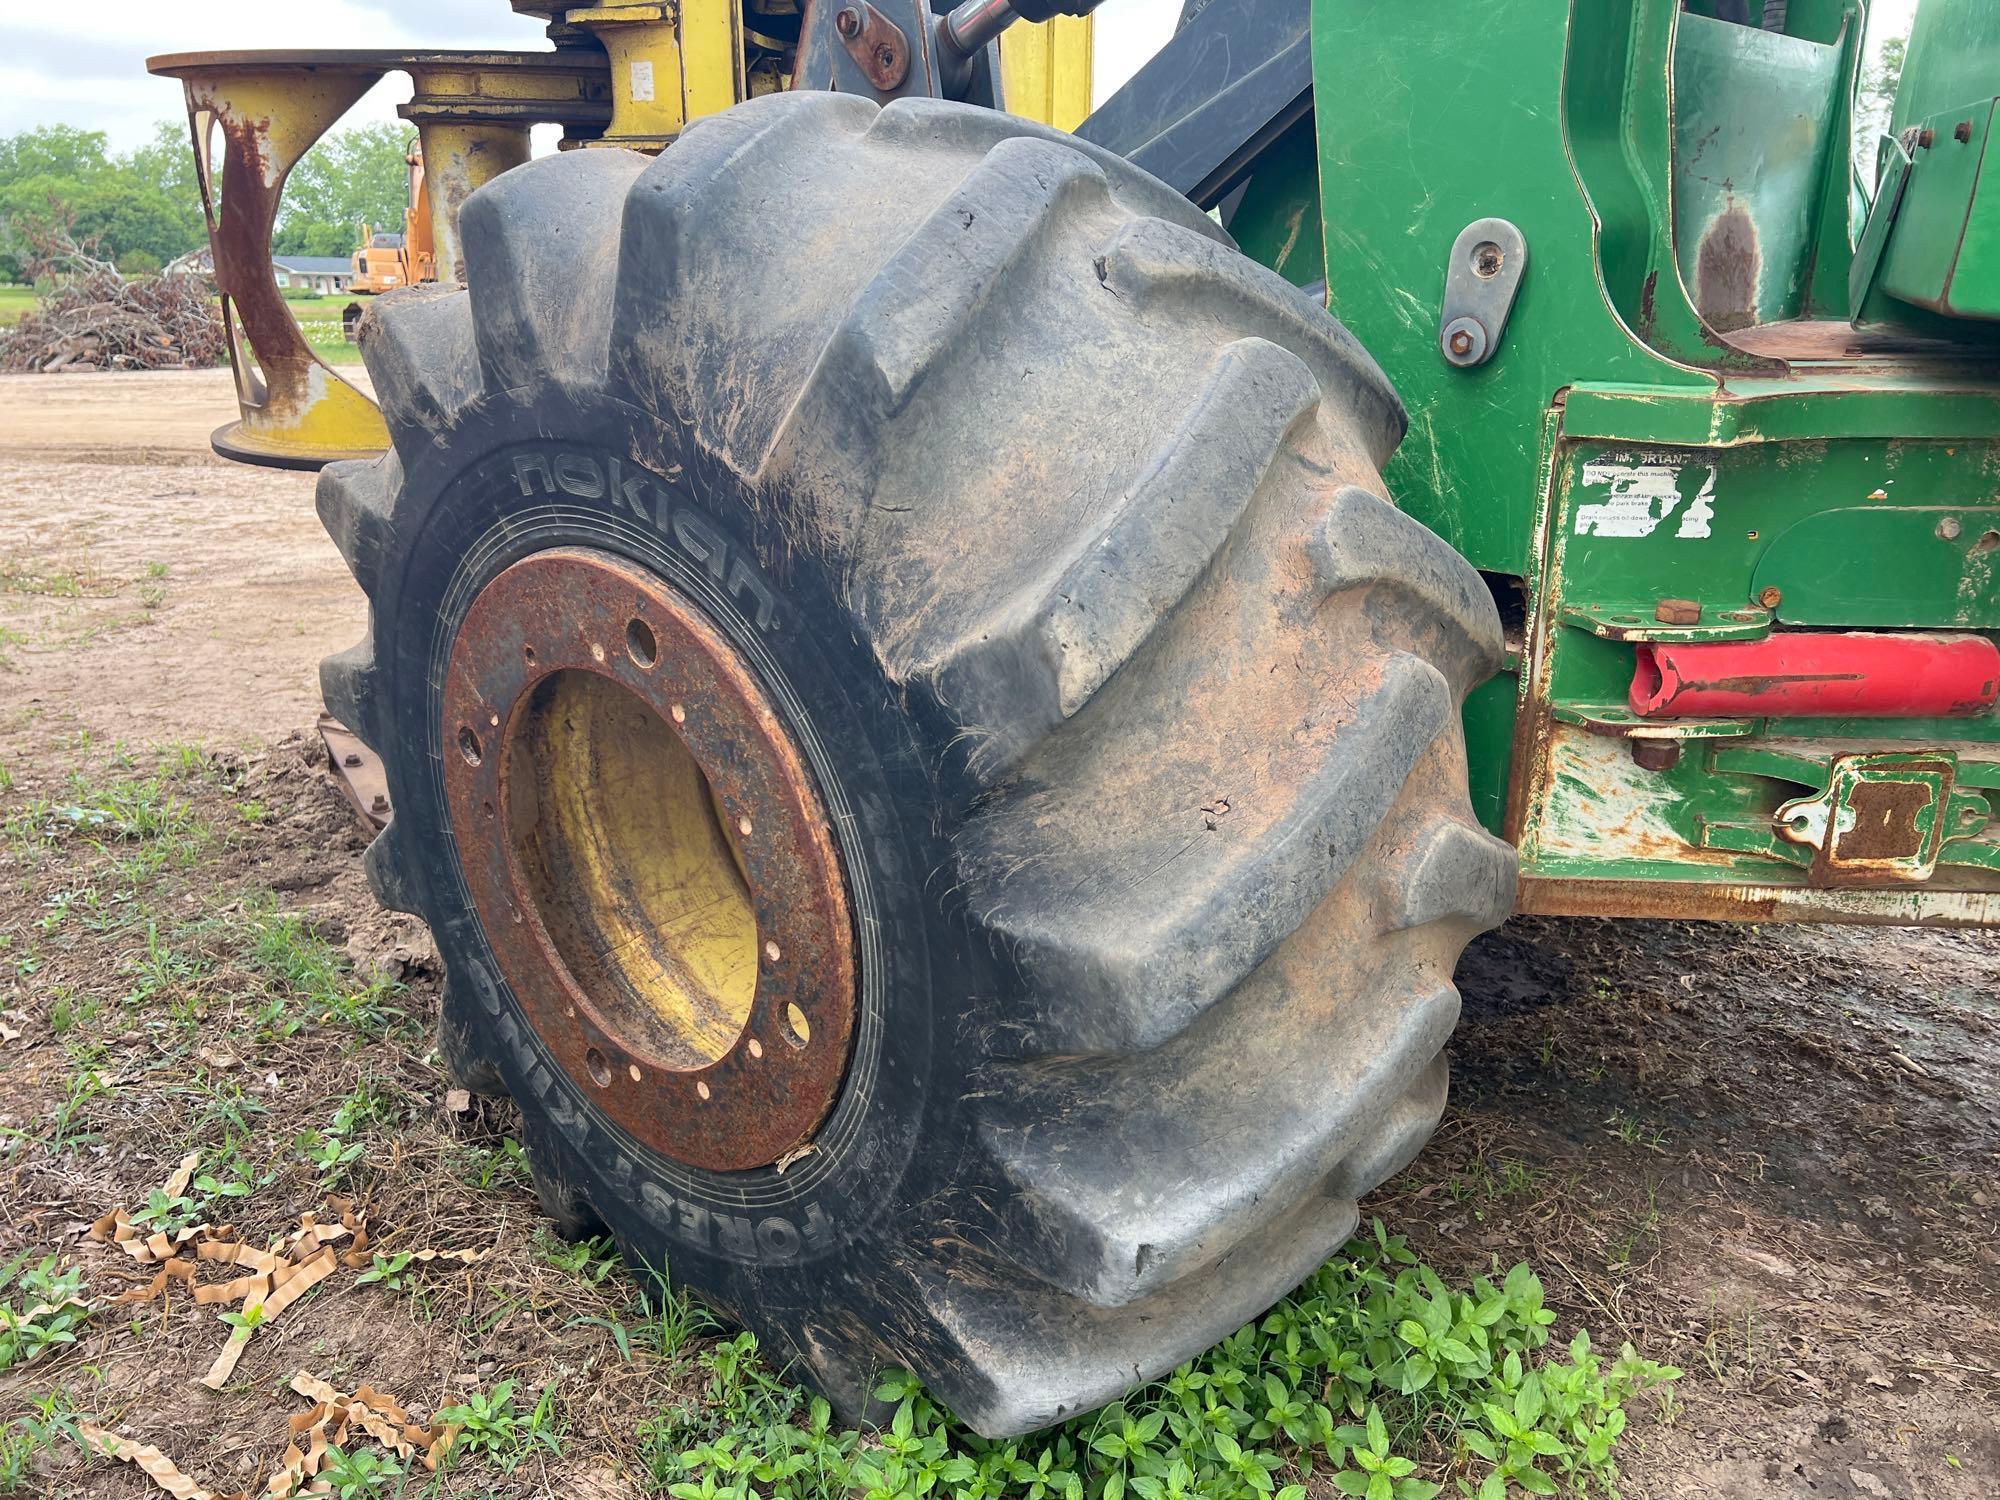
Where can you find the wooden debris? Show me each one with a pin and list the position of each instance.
(95, 319)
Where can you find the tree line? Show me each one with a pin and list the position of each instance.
(142, 208)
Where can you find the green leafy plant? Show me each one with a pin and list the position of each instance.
(1378, 1474)
(388, 1271)
(333, 1151)
(228, 1186)
(1374, 1378)
(490, 1427)
(328, 1154)
(26, 1438)
(592, 1259)
(247, 1321)
(44, 1312)
(168, 1211)
(360, 1474)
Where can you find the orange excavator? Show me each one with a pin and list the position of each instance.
(387, 260)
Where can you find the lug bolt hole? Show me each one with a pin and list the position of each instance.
(798, 1030)
(1988, 541)
(528, 655)
(643, 645)
(600, 1070)
(743, 827)
(680, 715)
(771, 952)
(632, 1072)
(596, 652)
(702, 1089)
(468, 745)
(487, 808)
(756, 1047)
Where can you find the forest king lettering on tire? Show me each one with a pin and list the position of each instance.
(934, 768)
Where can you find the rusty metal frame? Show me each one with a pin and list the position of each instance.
(472, 111)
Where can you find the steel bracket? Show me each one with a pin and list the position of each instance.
(880, 52)
(1481, 280)
(1882, 816)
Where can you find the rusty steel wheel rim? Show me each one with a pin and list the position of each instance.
(650, 859)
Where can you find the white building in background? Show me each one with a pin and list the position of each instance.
(325, 275)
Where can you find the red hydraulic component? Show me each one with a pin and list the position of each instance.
(1815, 674)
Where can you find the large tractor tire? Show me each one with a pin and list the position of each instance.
(933, 767)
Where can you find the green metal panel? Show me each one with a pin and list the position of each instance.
(1424, 128)
(1888, 566)
(1753, 116)
(1944, 250)
(1631, 524)
(1952, 62)
(1617, 450)
(1278, 219)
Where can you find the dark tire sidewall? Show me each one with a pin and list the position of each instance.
(531, 470)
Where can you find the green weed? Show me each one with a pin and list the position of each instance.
(43, 1313)
(1486, 1180)
(333, 1151)
(592, 1259)
(302, 970)
(488, 1167)
(489, 1427)
(167, 1211)
(1371, 1371)
(226, 1110)
(69, 1011)
(389, 1272)
(25, 1439)
(84, 1085)
(161, 968)
(360, 1475)
(1633, 1132)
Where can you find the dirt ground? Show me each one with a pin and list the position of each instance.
(1770, 1156)
(148, 591)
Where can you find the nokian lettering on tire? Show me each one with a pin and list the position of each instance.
(1046, 539)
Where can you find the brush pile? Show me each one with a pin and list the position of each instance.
(93, 318)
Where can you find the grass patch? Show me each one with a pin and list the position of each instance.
(53, 580)
(326, 334)
(145, 818)
(306, 978)
(1374, 1378)
(15, 303)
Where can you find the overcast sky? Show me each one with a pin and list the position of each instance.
(85, 64)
